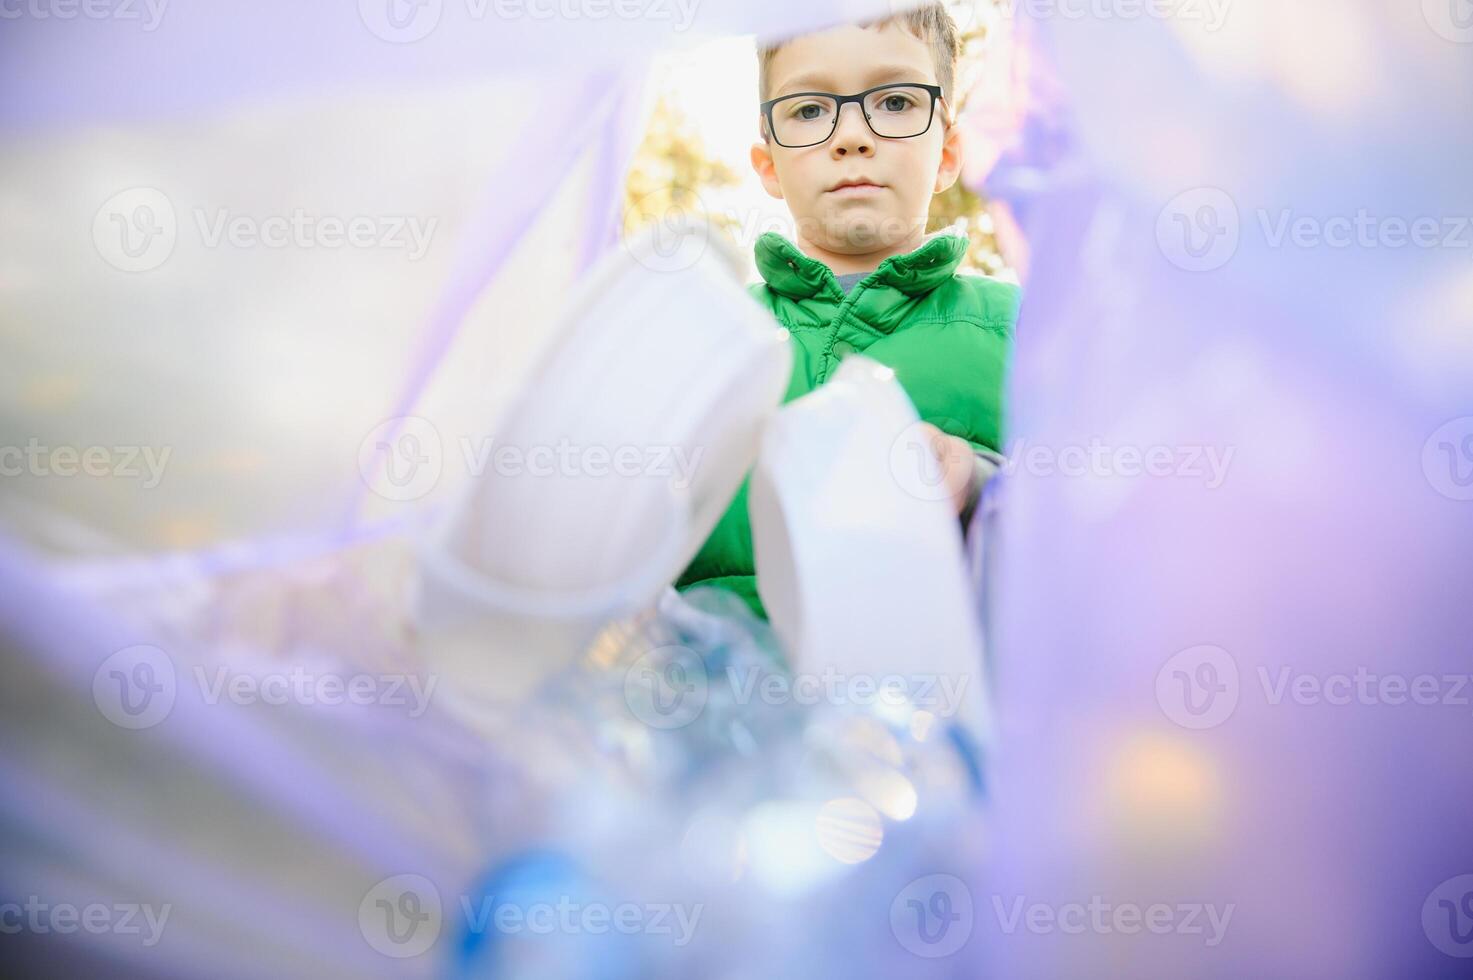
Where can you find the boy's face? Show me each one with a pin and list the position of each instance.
(888, 212)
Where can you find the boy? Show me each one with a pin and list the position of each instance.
(857, 134)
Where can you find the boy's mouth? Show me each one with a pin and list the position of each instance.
(855, 187)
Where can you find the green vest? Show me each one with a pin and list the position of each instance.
(947, 337)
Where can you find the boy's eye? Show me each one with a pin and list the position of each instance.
(809, 111)
(895, 102)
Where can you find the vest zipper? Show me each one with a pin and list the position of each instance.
(846, 309)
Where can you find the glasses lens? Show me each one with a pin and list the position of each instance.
(803, 120)
(899, 112)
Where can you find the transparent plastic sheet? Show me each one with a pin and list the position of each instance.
(267, 398)
(686, 769)
(251, 831)
(1181, 723)
(1328, 547)
(236, 51)
(269, 380)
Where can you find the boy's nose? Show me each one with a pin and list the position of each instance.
(852, 135)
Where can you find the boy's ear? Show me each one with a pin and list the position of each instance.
(952, 156)
(765, 169)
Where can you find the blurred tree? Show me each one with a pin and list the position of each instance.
(670, 172)
(958, 201)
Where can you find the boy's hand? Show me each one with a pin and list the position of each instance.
(958, 468)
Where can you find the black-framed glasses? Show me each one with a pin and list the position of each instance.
(895, 112)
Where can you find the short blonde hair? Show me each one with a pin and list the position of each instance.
(930, 23)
